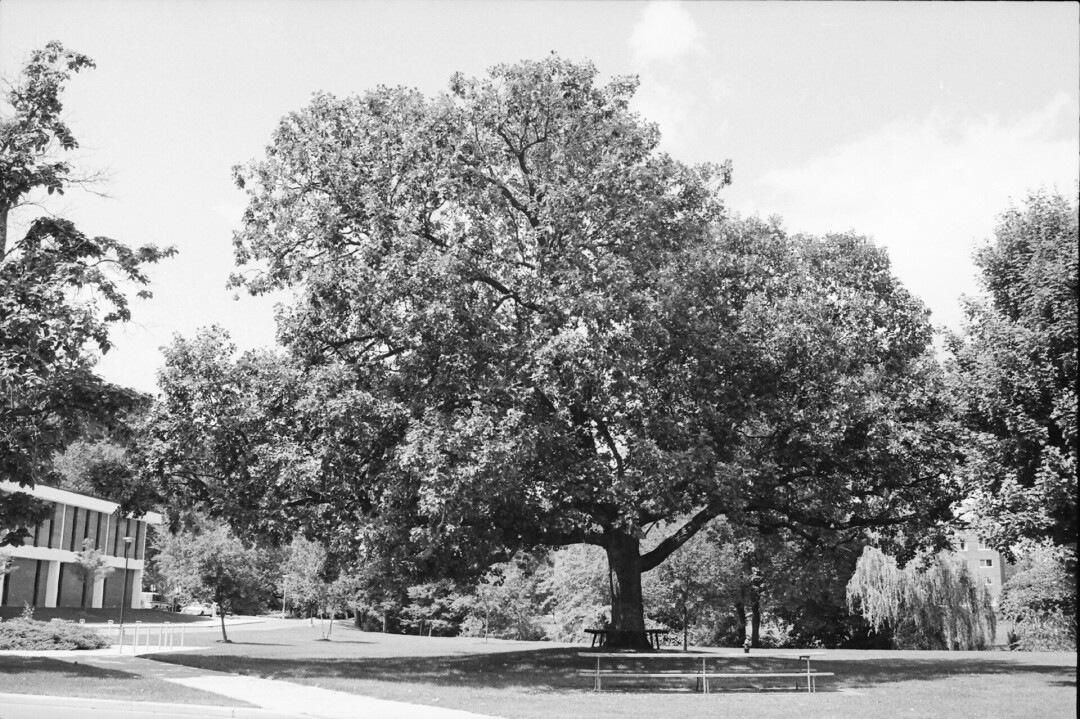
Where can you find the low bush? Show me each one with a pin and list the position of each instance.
(28, 634)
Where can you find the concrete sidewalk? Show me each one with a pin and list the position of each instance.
(315, 702)
(271, 694)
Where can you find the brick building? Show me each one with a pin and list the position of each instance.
(42, 575)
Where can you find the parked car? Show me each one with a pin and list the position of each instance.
(197, 609)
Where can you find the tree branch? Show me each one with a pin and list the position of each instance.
(663, 550)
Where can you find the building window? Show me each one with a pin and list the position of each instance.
(986, 562)
(989, 580)
(982, 545)
(963, 545)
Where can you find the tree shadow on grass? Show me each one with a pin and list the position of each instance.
(561, 669)
(45, 665)
(251, 644)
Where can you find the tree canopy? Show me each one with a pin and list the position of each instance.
(60, 292)
(517, 323)
(1015, 376)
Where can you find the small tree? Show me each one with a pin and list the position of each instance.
(209, 564)
(229, 573)
(435, 605)
(90, 566)
(304, 560)
(508, 601)
(681, 588)
(579, 591)
(1040, 600)
(940, 605)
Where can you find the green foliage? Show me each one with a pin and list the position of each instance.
(209, 564)
(693, 579)
(90, 566)
(304, 561)
(1040, 600)
(34, 127)
(60, 292)
(578, 588)
(518, 324)
(31, 635)
(103, 467)
(435, 606)
(509, 601)
(934, 604)
(1015, 376)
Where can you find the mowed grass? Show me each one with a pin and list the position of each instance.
(43, 676)
(525, 680)
(101, 616)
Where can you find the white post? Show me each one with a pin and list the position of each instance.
(136, 589)
(52, 584)
(98, 598)
(135, 643)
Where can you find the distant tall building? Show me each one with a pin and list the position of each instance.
(984, 563)
(42, 573)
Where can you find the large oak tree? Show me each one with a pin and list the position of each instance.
(516, 322)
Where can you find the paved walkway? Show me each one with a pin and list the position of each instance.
(277, 696)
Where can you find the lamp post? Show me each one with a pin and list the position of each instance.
(123, 592)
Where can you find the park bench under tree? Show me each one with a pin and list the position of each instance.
(700, 672)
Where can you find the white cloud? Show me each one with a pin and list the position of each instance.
(664, 32)
(929, 190)
(678, 86)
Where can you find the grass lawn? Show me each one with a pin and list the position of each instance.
(52, 677)
(523, 680)
(101, 616)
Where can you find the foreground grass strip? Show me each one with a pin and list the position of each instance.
(43, 676)
(101, 616)
(535, 680)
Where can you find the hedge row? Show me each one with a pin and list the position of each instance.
(28, 634)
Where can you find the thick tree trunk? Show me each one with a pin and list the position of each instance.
(740, 618)
(627, 630)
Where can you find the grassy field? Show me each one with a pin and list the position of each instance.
(523, 680)
(101, 616)
(52, 677)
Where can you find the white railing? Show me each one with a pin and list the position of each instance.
(151, 637)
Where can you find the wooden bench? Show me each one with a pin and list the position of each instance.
(810, 676)
(701, 676)
(601, 635)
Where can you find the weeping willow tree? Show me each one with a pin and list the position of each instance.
(936, 603)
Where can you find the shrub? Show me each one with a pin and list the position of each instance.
(27, 634)
(1040, 600)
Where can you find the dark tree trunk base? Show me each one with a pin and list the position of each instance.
(618, 639)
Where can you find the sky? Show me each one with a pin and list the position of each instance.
(913, 123)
